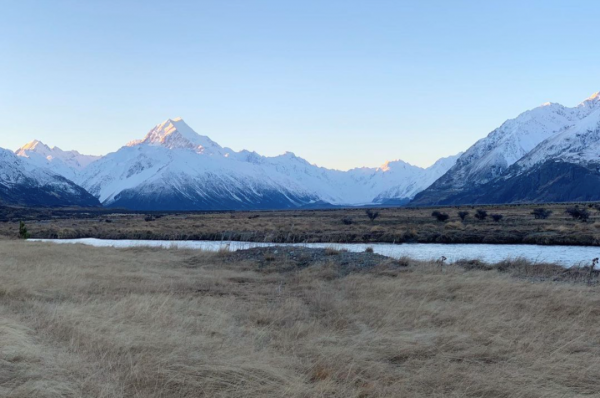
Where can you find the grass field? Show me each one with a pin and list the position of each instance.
(79, 321)
(397, 225)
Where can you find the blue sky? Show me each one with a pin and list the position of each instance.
(340, 83)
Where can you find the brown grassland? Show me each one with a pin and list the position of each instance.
(78, 321)
(337, 225)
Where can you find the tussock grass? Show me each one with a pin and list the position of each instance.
(393, 225)
(78, 321)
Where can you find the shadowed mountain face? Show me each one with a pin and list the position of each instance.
(552, 181)
(532, 158)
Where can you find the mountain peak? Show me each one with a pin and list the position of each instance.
(591, 101)
(65, 163)
(176, 134)
(397, 163)
(34, 145)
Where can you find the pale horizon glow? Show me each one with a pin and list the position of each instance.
(342, 84)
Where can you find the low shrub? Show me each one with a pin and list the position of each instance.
(440, 216)
(578, 213)
(372, 214)
(497, 217)
(541, 214)
(23, 233)
(347, 221)
(481, 214)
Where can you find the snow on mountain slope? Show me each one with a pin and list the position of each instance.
(491, 156)
(23, 183)
(174, 167)
(354, 187)
(187, 176)
(411, 185)
(176, 134)
(578, 144)
(515, 138)
(65, 163)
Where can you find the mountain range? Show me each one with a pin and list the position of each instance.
(550, 153)
(175, 168)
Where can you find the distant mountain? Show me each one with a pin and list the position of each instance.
(65, 163)
(412, 184)
(518, 161)
(174, 168)
(550, 153)
(23, 183)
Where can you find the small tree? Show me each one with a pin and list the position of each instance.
(440, 216)
(372, 214)
(23, 233)
(347, 221)
(578, 213)
(463, 215)
(541, 214)
(481, 215)
(497, 217)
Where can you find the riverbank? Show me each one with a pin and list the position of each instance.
(517, 225)
(565, 256)
(85, 321)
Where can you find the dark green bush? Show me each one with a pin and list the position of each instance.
(497, 217)
(440, 216)
(481, 215)
(23, 233)
(372, 214)
(578, 213)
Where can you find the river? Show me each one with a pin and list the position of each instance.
(567, 256)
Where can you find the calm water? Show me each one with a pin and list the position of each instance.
(564, 255)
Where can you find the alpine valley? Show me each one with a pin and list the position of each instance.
(548, 154)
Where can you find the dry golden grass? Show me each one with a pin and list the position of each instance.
(340, 225)
(79, 321)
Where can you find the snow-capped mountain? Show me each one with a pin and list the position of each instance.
(565, 167)
(175, 168)
(578, 144)
(65, 163)
(23, 183)
(415, 182)
(492, 157)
